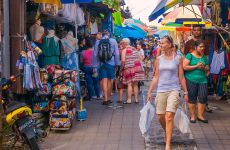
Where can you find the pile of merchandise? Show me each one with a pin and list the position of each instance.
(63, 103)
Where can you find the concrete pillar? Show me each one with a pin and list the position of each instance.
(5, 41)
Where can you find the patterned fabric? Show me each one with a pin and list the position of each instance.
(133, 70)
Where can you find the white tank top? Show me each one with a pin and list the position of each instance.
(168, 77)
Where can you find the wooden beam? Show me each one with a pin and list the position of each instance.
(17, 26)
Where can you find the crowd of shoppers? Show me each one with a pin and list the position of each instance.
(128, 64)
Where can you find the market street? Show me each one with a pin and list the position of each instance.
(108, 129)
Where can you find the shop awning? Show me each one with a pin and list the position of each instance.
(163, 5)
(127, 32)
(55, 2)
(77, 1)
(161, 33)
(183, 13)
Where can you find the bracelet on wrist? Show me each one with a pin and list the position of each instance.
(185, 93)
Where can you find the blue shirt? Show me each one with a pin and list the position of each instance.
(115, 60)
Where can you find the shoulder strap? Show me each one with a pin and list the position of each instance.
(191, 58)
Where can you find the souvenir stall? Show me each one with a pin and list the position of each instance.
(219, 60)
(52, 75)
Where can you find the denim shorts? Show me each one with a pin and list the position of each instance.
(106, 71)
(197, 91)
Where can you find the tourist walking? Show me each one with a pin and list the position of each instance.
(147, 60)
(121, 85)
(132, 70)
(168, 76)
(196, 70)
(106, 58)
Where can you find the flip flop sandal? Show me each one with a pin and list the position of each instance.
(105, 103)
(127, 103)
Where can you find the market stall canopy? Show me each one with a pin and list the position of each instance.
(112, 4)
(161, 33)
(166, 28)
(133, 21)
(76, 1)
(127, 32)
(163, 5)
(198, 2)
(137, 24)
(183, 13)
(54, 2)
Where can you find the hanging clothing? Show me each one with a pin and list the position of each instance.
(31, 78)
(217, 63)
(80, 16)
(229, 14)
(72, 12)
(216, 12)
(51, 50)
(93, 27)
(69, 44)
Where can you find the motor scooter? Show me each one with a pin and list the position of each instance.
(19, 117)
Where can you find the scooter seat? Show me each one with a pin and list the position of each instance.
(14, 105)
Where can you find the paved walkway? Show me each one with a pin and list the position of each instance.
(216, 134)
(105, 129)
(108, 129)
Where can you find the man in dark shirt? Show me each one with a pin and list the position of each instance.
(190, 44)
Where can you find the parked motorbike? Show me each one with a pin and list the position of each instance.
(19, 117)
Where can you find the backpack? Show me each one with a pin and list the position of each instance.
(104, 50)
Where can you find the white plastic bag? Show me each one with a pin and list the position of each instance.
(181, 121)
(147, 114)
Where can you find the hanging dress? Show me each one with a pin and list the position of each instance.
(51, 51)
(69, 61)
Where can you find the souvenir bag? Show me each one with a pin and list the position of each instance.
(147, 114)
(181, 120)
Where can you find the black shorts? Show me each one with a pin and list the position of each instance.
(197, 91)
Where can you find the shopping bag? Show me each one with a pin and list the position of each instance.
(181, 121)
(147, 114)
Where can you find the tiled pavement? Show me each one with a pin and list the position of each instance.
(108, 129)
(104, 129)
(216, 134)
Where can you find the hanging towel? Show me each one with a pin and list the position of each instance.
(218, 63)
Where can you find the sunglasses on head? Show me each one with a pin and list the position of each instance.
(169, 38)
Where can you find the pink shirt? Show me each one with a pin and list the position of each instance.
(87, 57)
